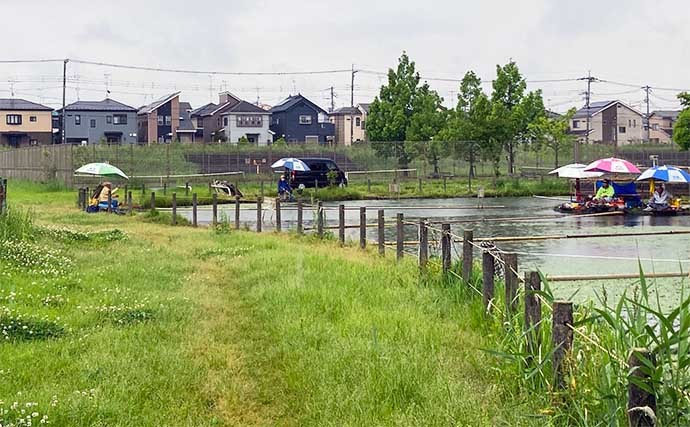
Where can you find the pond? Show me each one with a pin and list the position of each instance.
(522, 216)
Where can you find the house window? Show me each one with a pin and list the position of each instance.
(305, 120)
(576, 124)
(655, 126)
(14, 119)
(77, 120)
(168, 120)
(32, 118)
(225, 121)
(200, 122)
(621, 129)
(161, 120)
(249, 121)
(33, 142)
(364, 124)
(120, 119)
(93, 123)
(358, 122)
(109, 119)
(634, 123)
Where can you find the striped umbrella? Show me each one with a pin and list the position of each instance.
(291, 163)
(665, 173)
(101, 169)
(612, 165)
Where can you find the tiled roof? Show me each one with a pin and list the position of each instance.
(246, 107)
(671, 114)
(21, 104)
(347, 110)
(204, 109)
(365, 106)
(105, 105)
(292, 101)
(155, 104)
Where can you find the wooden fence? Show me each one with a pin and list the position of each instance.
(40, 164)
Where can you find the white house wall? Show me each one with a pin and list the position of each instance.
(234, 133)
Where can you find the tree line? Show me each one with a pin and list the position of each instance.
(408, 121)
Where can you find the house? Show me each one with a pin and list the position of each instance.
(106, 121)
(661, 126)
(24, 123)
(186, 131)
(297, 119)
(208, 118)
(245, 120)
(610, 122)
(350, 124)
(159, 121)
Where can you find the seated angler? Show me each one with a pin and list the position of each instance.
(605, 193)
(660, 200)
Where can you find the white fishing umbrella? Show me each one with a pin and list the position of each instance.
(575, 171)
(291, 163)
(101, 169)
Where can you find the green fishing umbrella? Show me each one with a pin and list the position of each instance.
(101, 169)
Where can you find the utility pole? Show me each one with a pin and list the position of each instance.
(332, 100)
(588, 95)
(646, 117)
(63, 126)
(352, 104)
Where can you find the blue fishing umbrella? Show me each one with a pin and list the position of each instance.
(670, 174)
(291, 163)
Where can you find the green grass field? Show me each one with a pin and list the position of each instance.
(110, 320)
(178, 326)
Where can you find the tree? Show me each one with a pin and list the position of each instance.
(466, 126)
(508, 90)
(390, 113)
(552, 133)
(681, 129)
(428, 118)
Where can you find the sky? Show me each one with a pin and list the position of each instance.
(628, 44)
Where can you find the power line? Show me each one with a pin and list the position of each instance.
(224, 73)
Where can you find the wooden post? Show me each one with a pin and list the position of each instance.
(399, 236)
(278, 218)
(214, 203)
(562, 339)
(110, 202)
(368, 185)
(319, 219)
(153, 200)
(444, 184)
(532, 310)
(511, 282)
(467, 254)
(237, 212)
(341, 224)
(194, 210)
(300, 217)
(420, 184)
(259, 211)
(362, 227)
(143, 189)
(261, 183)
(186, 188)
(445, 247)
(381, 232)
(641, 403)
(488, 274)
(80, 198)
(174, 208)
(423, 243)
(165, 188)
(129, 201)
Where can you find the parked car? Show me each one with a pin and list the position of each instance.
(318, 174)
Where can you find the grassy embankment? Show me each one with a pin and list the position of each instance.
(379, 190)
(178, 326)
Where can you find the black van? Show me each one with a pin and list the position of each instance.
(318, 174)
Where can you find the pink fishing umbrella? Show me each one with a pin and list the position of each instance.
(612, 165)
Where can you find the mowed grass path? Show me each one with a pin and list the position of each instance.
(240, 329)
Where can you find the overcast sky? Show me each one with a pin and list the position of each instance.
(634, 42)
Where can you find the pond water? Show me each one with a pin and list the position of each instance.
(522, 216)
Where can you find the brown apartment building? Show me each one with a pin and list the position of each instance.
(24, 123)
(160, 120)
(208, 119)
